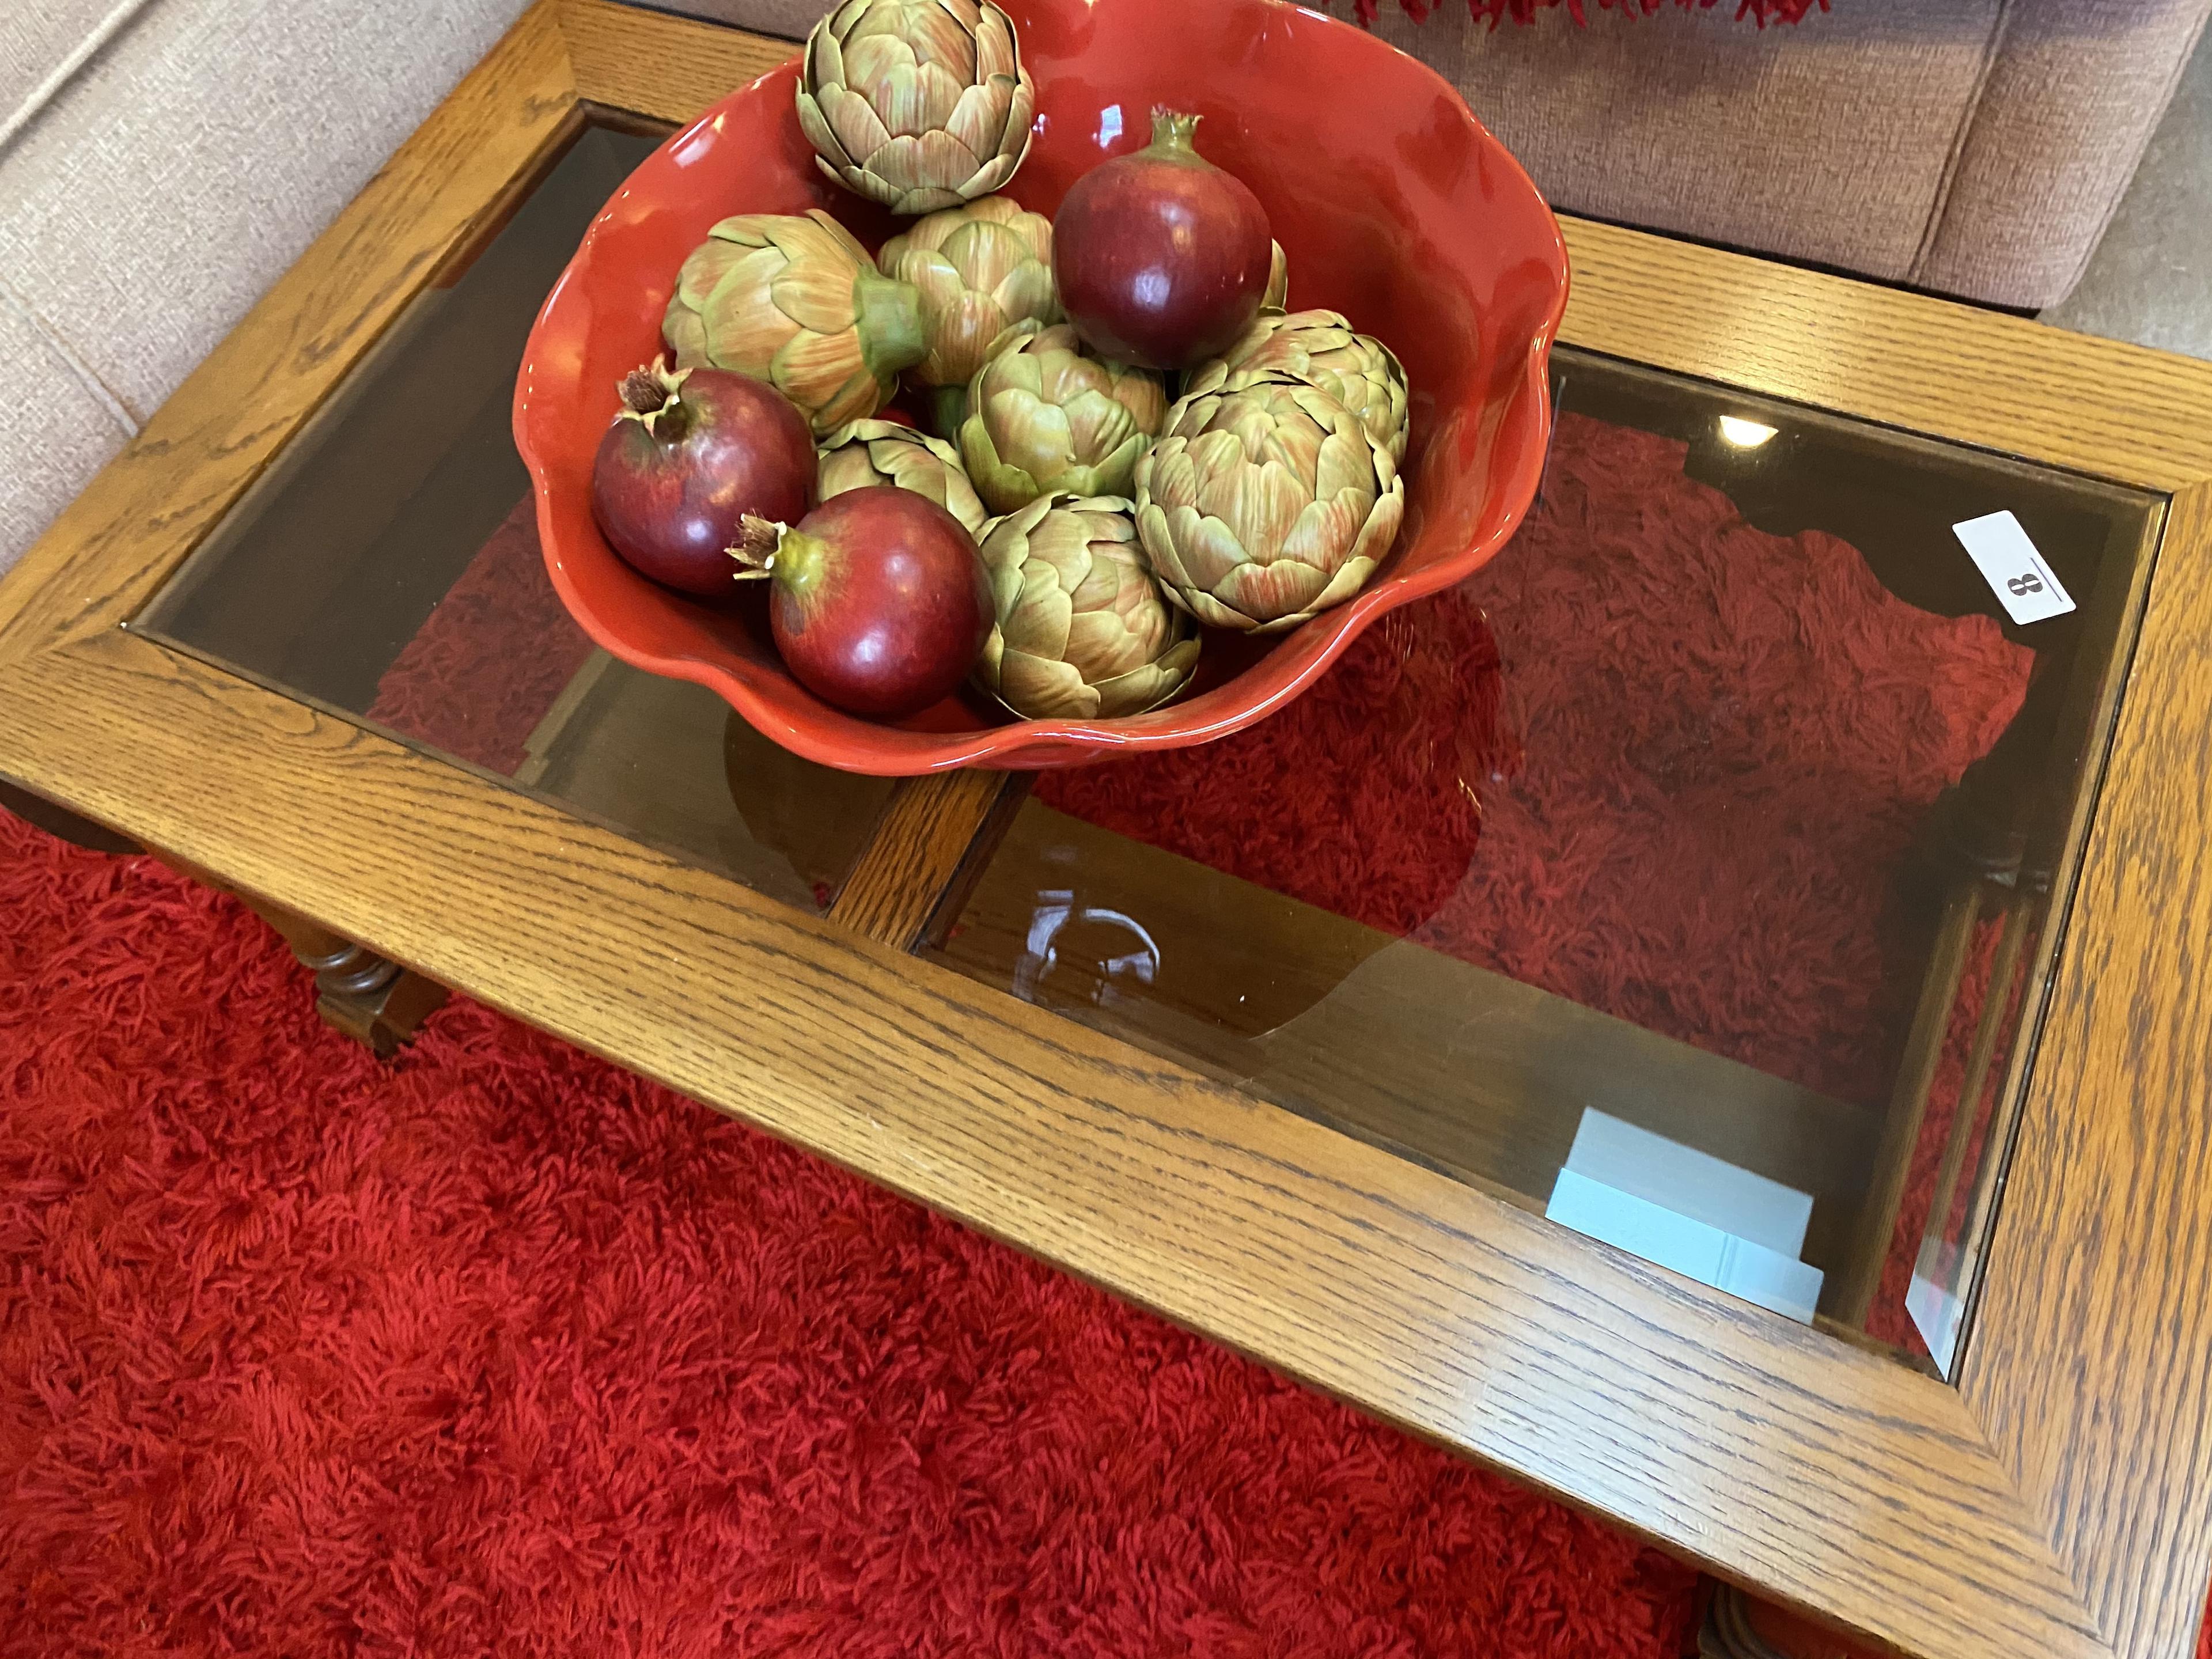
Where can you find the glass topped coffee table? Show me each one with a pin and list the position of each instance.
(1702, 1017)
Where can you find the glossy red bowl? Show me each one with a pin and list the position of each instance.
(1395, 205)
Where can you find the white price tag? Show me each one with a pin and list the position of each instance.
(2026, 587)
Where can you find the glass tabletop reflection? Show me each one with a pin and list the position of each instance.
(1684, 874)
(1689, 874)
(387, 569)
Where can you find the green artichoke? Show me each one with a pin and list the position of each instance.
(865, 453)
(1356, 369)
(1266, 503)
(796, 302)
(980, 269)
(1044, 415)
(917, 104)
(1082, 633)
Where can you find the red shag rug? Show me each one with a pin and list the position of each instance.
(1651, 759)
(488, 661)
(502, 1350)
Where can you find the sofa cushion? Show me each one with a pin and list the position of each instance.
(38, 38)
(185, 167)
(54, 432)
(2074, 90)
(1827, 141)
(179, 173)
(1975, 147)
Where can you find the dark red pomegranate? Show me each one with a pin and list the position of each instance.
(690, 454)
(1161, 256)
(881, 606)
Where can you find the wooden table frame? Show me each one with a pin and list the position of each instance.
(2055, 1503)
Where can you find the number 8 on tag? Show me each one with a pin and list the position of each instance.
(2025, 585)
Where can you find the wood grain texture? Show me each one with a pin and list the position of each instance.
(1829, 1477)
(2090, 1362)
(933, 830)
(200, 449)
(2007, 384)
(666, 67)
(2056, 1504)
(1475, 1073)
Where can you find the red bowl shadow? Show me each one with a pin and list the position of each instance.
(1395, 205)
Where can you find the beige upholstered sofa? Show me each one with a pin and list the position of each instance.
(1973, 146)
(161, 160)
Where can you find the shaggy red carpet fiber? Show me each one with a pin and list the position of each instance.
(461, 684)
(501, 1350)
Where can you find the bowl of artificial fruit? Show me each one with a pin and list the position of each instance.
(1020, 386)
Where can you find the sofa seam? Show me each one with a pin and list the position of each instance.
(1992, 49)
(25, 115)
(2090, 246)
(78, 369)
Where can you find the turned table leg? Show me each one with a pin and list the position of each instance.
(371, 1000)
(357, 992)
(1738, 1626)
(361, 994)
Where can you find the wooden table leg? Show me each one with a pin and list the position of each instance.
(371, 1000)
(374, 1001)
(1738, 1626)
(359, 992)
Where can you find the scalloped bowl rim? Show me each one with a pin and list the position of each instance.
(924, 752)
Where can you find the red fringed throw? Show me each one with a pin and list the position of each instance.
(1762, 12)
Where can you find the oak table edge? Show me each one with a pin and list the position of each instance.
(171, 769)
(1617, 271)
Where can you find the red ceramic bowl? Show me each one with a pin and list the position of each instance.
(1396, 207)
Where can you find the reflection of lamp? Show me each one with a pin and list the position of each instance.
(1744, 435)
(1055, 912)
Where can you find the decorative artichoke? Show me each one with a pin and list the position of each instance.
(917, 104)
(865, 452)
(1044, 415)
(1082, 632)
(1266, 503)
(1356, 369)
(1279, 280)
(980, 269)
(796, 302)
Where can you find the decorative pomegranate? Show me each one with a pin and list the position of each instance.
(881, 604)
(1161, 256)
(691, 454)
